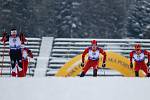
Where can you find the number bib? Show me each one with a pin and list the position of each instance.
(93, 55)
(139, 57)
(14, 43)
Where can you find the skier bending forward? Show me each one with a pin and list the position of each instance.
(139, 57)
(93, 58)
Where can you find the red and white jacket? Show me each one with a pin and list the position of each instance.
(26, 53)
(14, 42)
(139, 57)
(93, 55)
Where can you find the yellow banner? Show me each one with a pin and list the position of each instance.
(114, 61)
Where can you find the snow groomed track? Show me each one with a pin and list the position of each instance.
(87, 88)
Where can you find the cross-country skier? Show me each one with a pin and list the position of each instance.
(139, 57)
(15, 51)
(93, 58)
(25, 54)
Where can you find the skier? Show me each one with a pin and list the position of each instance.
(93, 58)
(139, 57)
(25, 54)
(15, 51)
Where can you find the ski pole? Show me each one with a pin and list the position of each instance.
(104, 71)
(3, 59)
(10, 69)
(28, 66)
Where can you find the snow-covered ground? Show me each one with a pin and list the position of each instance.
(87, 88)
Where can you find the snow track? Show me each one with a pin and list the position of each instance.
(87, 88)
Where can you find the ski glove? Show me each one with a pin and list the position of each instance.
(4, 34)
(3, 37)
(131, 65)
(103, 65)
(82, 64)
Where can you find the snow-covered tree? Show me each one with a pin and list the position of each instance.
(139, 19)
(104, 18)
(73, 18)
(67, 18)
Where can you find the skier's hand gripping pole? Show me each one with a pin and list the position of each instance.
(82, 64)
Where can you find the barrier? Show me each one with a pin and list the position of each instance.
(113, 61)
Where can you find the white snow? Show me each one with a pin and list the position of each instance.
(6, 10)
(148, 26)
(87, 88)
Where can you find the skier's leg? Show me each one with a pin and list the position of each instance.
(95, 67)
(25, 66)
(137, 68)
(86, 68)
(20, 68)
(145, 69)
(82, 74)
(137, 73)
(94, 72)
(13, 63)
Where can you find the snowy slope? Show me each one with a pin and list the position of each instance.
(88, 88)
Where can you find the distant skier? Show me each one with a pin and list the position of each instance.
(25, 54)
(139, 57)
(93, 58)
(15, 53)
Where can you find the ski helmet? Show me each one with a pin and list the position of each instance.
(137, 47)
(94, 42)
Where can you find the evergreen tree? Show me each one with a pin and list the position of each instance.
(139, 19)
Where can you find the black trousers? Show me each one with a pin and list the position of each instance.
(16, 56)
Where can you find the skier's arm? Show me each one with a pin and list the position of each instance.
(5, 37)
(148, 56)
(22, 38)
(131, 57)
(104, 54)
(84, 53)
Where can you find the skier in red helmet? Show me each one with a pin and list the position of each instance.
(139, 57)
(26, 53)
(93, 58)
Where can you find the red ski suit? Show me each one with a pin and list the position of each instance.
(93, 58)
(140, 60)
(25, 54)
